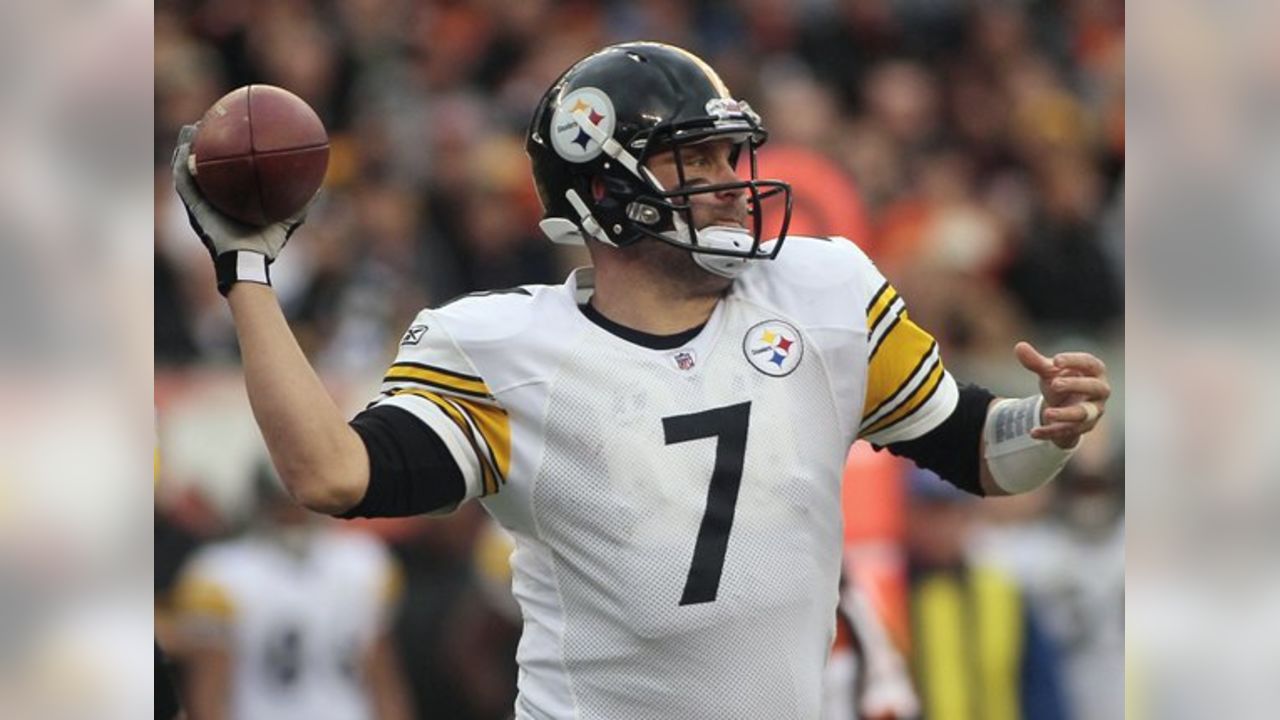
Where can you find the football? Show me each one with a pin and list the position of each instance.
(260, 154)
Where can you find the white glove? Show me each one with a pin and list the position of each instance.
(240, 253)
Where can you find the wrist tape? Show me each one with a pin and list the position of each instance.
(1018, 462)
(241, 266)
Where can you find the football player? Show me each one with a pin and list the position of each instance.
(292, 620)
(663, 434)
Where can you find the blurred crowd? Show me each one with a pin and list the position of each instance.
(974, 148)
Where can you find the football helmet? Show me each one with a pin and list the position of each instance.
(604, 117)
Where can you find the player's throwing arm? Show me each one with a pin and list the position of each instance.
(320, 458)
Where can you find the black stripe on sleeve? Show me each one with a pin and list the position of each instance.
(923, 401)
(438, 369)
(393, 379)
(884, 311)
(411, 470)
(952, 448)
(903, 385)
(476, 432)
(883, 288)
(892, 324)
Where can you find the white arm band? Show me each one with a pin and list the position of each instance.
(1020, 463)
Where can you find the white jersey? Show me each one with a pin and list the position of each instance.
(297, 627)
(676, 512)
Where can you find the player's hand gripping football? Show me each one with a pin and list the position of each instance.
(1075, 390)
(220, 234)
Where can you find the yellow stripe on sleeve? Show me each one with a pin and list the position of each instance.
(437, 378)
(488, 466)
(893, 367)
(918, 398)
(203, 597)
(879, 306)
(495, 426)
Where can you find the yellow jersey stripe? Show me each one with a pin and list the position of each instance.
(903, 348)
(486, 470)
(203, 597)
(495, 428)
(437, 378)
(913, 403)
(492, 431)
(890, 326)
(886, 378)
(879, 307)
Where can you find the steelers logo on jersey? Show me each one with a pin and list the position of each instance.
(773, 347)
(584, 115)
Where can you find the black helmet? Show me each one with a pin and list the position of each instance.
(611, 111)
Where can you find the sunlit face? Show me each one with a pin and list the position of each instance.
(707, 163)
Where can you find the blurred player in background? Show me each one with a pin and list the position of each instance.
(256, 642)
(663, 435)
(1071, 565)
(979, 648)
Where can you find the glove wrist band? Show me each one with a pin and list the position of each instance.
(241, 266)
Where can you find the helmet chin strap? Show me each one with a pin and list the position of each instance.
(717, 237)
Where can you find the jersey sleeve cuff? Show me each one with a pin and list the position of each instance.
(924, 418)
(444, 428)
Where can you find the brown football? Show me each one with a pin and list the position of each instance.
(260, 154)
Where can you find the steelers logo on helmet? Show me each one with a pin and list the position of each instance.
(773, 347)
(582, 116)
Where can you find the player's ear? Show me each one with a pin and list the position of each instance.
(598, 188)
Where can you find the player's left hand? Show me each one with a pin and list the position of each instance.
(1075, 390)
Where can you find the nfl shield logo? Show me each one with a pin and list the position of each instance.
(684, 359)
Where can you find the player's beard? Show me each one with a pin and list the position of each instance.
(675, 266)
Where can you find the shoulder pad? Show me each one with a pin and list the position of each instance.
(489, 315)
(819, 261)
(820, 281)
(486, 341)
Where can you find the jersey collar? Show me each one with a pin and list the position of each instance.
(581, 285)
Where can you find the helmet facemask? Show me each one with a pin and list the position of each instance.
(721, 249)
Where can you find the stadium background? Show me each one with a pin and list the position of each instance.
(974, 148)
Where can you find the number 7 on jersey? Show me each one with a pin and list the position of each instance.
(728, 425)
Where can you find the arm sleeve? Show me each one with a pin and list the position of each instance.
(952, 448)
(411, 470)
(435, 433)
(909, 392)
